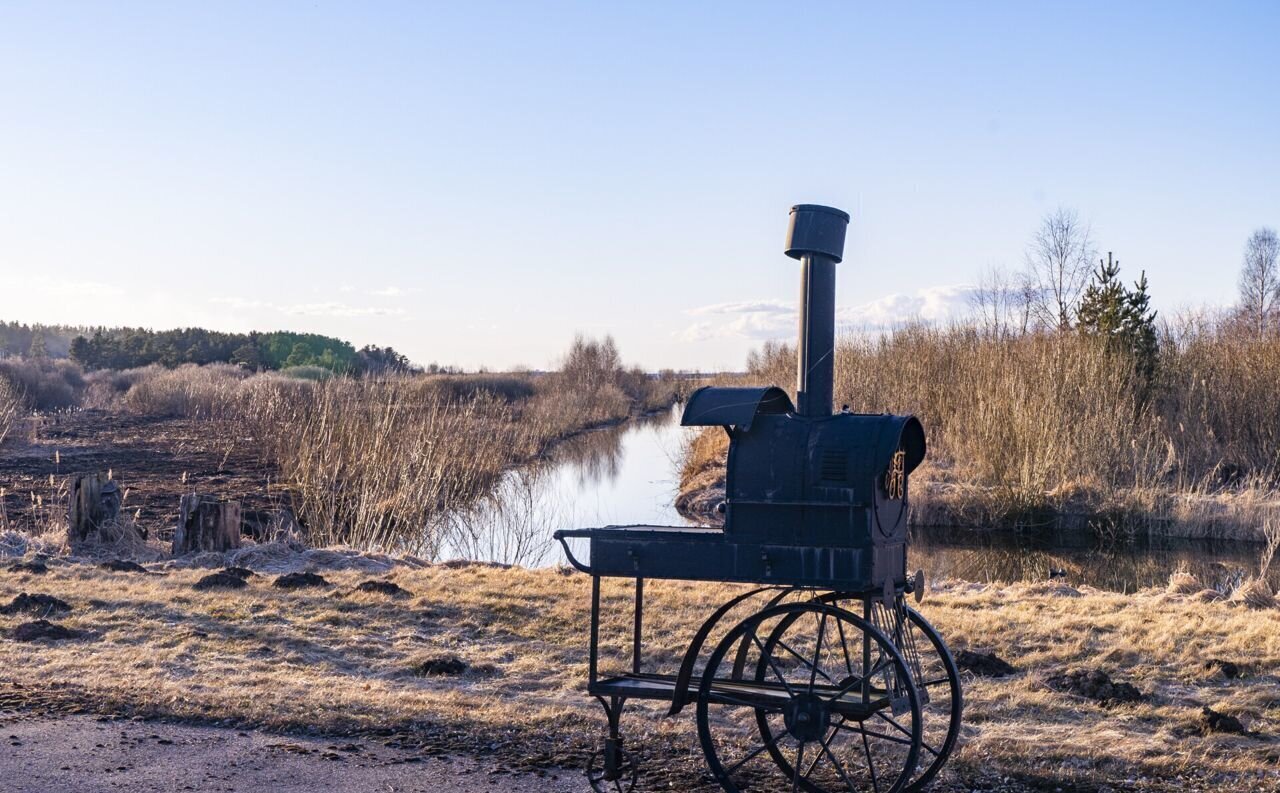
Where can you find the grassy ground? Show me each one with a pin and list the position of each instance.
(336, 660)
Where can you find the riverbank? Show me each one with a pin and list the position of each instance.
(491, 660)
(939, 499)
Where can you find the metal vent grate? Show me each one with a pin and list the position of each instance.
(835, 465)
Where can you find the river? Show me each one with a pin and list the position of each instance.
(628, 474)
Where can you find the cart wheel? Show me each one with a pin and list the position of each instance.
(621, 779)
(937, 681)
(940, 678)
(831, 705)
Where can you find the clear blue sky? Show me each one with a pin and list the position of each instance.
(473, 183)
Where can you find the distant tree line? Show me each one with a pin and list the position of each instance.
(127, 348)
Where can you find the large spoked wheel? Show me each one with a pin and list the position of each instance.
(809, 697)
(937, 681)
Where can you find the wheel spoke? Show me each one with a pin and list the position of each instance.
(872, 733)
(844, 644)
(871, 766)
(748, 758)
(769, 657)
(803, 660)
(839, 768)
(907, 733)
(817, 651)
(857, 681)
(795, 771)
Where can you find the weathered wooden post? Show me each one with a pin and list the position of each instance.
(95, 502)
(206, 523)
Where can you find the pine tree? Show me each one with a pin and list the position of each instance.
(1102, 308)
(37, 346)
(1140, 328)
(1123, 317)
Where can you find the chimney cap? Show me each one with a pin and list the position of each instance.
(816, 229)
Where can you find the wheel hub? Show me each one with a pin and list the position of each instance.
(807, 716)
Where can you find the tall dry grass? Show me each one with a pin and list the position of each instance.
(11, 408)
(379, 463)
(1046, 422)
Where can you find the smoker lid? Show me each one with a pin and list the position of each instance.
(711, 406)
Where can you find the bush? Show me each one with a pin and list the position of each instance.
(313, 373)
(43, 383)
(190, 390)
(10, 408)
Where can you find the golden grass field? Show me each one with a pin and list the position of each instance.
(334, 659)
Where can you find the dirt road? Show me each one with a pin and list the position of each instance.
(83, 754)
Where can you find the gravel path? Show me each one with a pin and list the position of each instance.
(88, 754)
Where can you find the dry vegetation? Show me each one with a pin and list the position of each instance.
(374, 462)
(337, 659)
(1024, 430)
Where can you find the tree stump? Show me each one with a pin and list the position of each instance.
(206, 523)
(95, 502)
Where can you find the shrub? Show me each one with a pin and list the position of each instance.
(11, 408)
(43, 383)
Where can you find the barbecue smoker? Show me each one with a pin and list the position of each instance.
(821, 678)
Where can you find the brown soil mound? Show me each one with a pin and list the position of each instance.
(36, 566)
(388, 588)
(220, 580)
(43, 629)
(41, 605)
(123, 566)
(1094, 684)
(1213, 721)
(299, 581)
(1216, 666)
(435, 667)
(984, 664)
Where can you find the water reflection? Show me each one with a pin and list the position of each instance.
(1078, 559)
(613, 475)
(628, 475)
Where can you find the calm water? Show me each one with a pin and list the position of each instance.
(629, 474)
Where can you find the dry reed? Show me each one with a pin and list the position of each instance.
(1042, 424)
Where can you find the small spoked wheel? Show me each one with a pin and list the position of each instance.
(612, 776)
(809, 697)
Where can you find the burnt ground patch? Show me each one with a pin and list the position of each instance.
(158, 459)
(243, 573)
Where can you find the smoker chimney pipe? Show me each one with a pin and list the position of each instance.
(815, 236)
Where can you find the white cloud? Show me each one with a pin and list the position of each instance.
(322, 309)
(23, 283)
(390, 291)
(761, 320)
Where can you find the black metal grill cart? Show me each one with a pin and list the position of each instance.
(831, 682)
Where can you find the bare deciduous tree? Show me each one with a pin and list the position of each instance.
(1260, 280)
(1059, 260)
(1002, 302)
